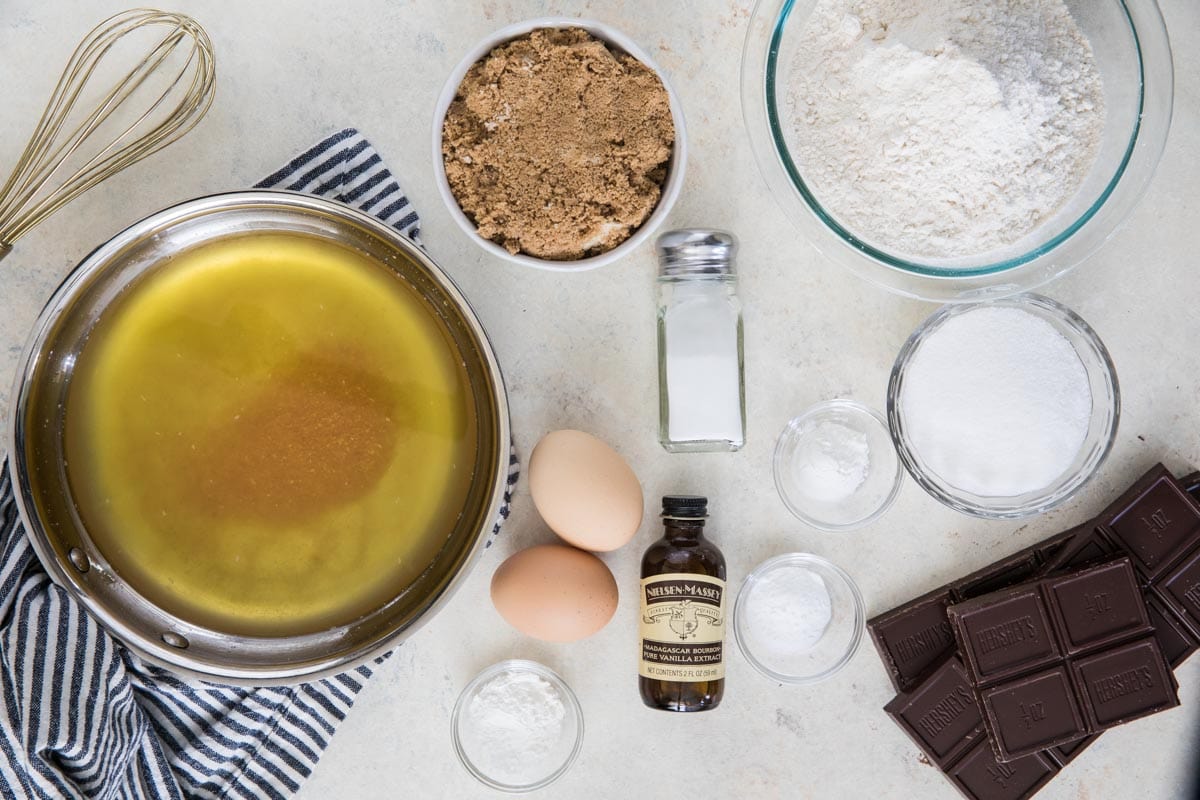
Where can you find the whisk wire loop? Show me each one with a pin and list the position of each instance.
(66, 141)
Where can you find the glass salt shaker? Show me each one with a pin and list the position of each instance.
(701, 385)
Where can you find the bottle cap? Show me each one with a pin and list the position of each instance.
(695, 251)
(685, 506)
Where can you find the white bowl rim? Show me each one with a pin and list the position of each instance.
(675, 175)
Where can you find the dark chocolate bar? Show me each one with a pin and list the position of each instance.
(1023, 647)
(1174, 639)
(1145, 523)
(1155, 521)
(979, 776)
(913, 638)
(1191, 484)
(1033, 713)
(1017, 568)
(1125, 683)
(1097, 607)
(1065, 753)
(941, 715)
(1004, 634)
(1180, 590)
(1048, 549)
(1088, 545)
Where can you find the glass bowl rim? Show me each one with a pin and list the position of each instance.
(529, 667)
(940, 285)
(826, 568)
(912, 265)
(1051, 496)
(840, 404)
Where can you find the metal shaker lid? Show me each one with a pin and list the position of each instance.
(695, 251)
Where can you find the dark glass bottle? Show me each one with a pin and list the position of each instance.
(681, 666)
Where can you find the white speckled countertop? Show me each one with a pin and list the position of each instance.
(578, 351)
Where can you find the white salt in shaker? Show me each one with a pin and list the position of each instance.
(701, 387)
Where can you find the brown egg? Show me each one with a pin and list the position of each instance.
(555, 593)
(585, 491)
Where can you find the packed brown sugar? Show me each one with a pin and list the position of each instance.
(556, 146)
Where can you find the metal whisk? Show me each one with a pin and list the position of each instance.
(162, 74)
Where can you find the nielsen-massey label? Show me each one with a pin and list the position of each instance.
(682, 628)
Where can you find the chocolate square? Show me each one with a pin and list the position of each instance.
(1191, 484)
(1155, 521)
(1125, 683)
(1097, 606)
(941, 715)
(1174, 639)
(913, 637)
(1004, 634)
(1048, 549)
(979, 776)
(1032, 713)
(1066, 753)
(1009, 571)
(1088, 546)
(1180, 590)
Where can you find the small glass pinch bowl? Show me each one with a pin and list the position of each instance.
(1102, 426)
(799, 665)
(873, 496)
(469, 750)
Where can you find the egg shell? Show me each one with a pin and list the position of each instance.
(555, 593)
(585, 491)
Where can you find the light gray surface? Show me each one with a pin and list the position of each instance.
(578, 351)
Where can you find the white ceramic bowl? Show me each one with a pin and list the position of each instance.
(675, 169)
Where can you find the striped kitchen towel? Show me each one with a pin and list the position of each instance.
(82, 717)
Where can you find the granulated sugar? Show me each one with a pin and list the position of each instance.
(944, 128)
(996, 402)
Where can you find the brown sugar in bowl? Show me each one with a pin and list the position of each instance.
(577, 237)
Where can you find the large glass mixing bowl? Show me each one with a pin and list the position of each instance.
(1133, 56)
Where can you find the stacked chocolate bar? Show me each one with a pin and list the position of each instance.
(1008, 674)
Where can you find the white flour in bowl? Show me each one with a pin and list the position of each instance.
(943, 128)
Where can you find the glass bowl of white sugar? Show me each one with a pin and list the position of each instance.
(835, 466)
(517, 726)
(1005, 408)
(798, 618)
(952, 149)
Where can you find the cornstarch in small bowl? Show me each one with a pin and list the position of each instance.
(517, 726)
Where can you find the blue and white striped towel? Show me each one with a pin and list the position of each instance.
(82, 717)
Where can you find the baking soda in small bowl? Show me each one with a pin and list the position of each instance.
(798, 618)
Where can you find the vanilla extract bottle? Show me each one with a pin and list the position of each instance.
(681, 666)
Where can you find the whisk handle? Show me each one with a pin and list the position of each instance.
(4, 248)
